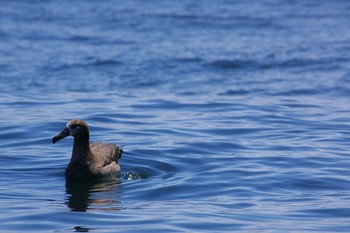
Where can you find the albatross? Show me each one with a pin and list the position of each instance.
(88, 161)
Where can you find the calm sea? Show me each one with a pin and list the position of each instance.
(235, 115)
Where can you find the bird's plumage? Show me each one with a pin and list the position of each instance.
(88, 161)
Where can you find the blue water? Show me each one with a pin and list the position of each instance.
(234, 114)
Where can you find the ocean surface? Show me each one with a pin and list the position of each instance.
(234, 115)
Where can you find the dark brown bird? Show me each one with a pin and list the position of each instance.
(88, 161)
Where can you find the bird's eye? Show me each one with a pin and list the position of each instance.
(75, 127)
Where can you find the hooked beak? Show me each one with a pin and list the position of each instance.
(61, 135)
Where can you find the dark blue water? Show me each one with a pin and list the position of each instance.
(234, 114)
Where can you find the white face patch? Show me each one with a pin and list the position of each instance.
(69, 126)
(75, 127)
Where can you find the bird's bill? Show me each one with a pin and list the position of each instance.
(63, 134)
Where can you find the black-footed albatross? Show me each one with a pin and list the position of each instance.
(88, 161)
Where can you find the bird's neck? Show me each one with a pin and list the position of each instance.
(81, 149)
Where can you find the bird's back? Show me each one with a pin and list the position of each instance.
(104, 158)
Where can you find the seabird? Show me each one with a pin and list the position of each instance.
(88, 161)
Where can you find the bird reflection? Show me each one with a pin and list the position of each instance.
(101, 194)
